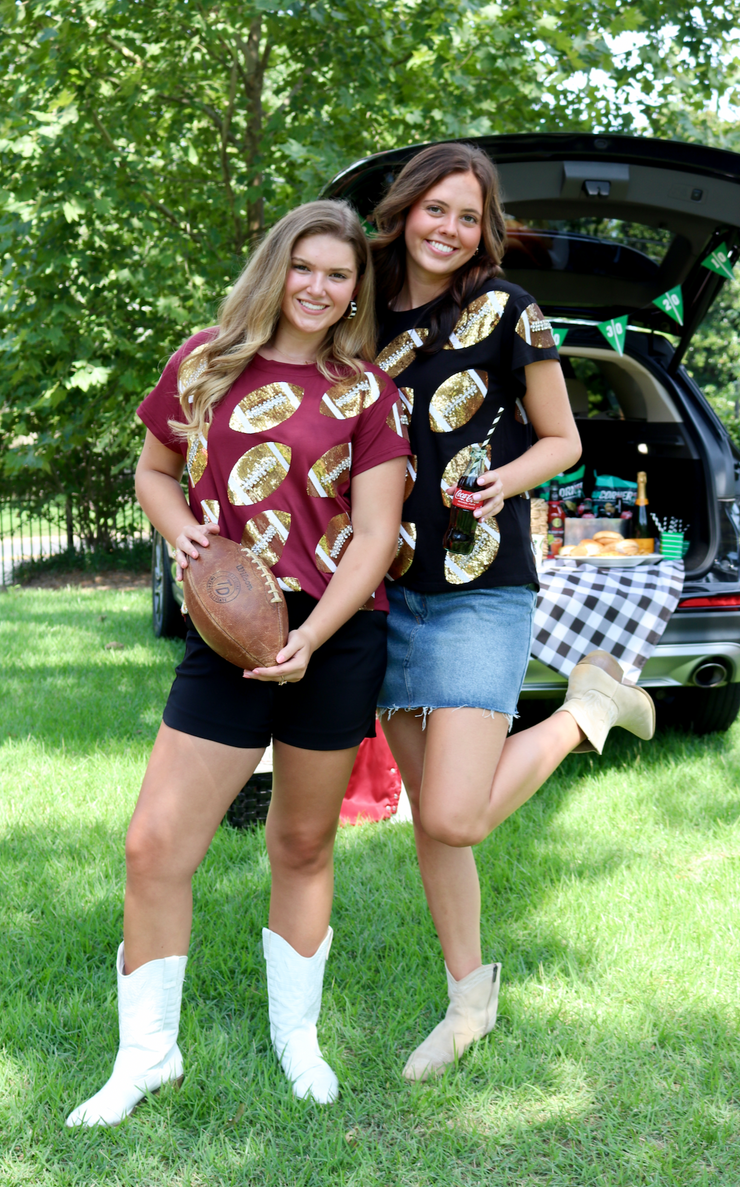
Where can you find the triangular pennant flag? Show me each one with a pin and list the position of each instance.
(559, 335)
(615, 332)
(672, 303)
(719, 262)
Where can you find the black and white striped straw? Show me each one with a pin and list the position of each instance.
(493, 426)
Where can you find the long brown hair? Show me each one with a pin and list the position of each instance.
(388, 247)
(250, 314)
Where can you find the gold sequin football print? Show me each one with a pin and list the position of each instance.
(266, 535)
(534, 328)
(191, 368)
(330, 472)
(457, 400)
(266, 407)
(211, 510)
(457, 466)
(351, 396)
(461, 569)
(410, 476)
(401, 352)
(197, 458)
(405, 551)
(258, 473)
(332, 544)
(478, 320)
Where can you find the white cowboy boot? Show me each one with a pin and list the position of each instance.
(470, 1015)
(597, 700)
(148, 1055)
(294, 985)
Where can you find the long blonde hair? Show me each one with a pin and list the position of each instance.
(250, 314)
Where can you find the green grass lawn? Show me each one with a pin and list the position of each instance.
(611, 899)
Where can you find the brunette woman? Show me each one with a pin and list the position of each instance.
(468, 349)
(279, 421)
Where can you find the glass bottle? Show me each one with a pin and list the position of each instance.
(460, 534)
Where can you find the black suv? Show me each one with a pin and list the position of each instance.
(599, 227)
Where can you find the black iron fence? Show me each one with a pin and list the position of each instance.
(32, 532)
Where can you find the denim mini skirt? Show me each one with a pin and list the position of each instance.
(465, 649)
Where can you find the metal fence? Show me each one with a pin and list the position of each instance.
(29, 532)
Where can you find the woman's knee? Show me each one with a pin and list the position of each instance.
(149, 849)
(301, 849)
(451, 829)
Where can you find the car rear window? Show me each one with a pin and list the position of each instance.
(591, 245)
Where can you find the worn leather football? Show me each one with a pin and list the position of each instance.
(236, 604)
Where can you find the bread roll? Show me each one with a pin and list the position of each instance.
(604, 537)
(627, 547)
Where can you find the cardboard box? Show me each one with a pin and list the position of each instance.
(583, 529)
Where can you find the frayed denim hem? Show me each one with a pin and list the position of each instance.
(424, 712)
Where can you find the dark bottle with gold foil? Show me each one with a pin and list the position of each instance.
(460, 534)
(641, 529)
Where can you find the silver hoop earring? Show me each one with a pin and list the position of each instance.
(352, 311)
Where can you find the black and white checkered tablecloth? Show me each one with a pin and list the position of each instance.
(581, 608)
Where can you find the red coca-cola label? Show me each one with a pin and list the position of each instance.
(464, 499)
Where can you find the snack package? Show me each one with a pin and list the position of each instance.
(570, 489)
(613, 497)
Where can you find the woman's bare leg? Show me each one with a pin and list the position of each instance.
(475, 776)
(449, 875)
(308, 789)
(188, 785)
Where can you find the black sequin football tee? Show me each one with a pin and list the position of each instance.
(451, 399)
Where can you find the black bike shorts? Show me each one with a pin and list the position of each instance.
(331, 708)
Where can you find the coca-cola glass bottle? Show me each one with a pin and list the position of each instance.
(460, 534)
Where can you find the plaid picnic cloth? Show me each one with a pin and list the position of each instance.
(581, 608)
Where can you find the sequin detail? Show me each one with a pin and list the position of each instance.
(289, 584)
(332, 544)
(258, 473)
(478, 320)
(211, 510)
(266, 407)
(461, 569)
(404, 553)
(191, 368)
(197, 458)
(352, 396)
(401, 352)
(457, 466)
(330, 472)
(266, 535)
(457, 400)
(534, 328)
(398, 419)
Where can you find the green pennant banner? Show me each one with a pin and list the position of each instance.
(719, 262)
(615, 332)
(559, 335)
(672, 303)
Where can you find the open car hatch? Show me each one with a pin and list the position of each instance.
(601, 225)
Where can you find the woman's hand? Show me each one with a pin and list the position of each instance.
(292, 661)
(191, 535)
(490, 501)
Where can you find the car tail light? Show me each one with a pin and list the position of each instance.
(713, 602)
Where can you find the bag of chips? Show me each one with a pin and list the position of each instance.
(570, 489)
(613, 497)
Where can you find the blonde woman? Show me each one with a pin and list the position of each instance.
(279, 422)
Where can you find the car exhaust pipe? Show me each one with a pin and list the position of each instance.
(710, 673)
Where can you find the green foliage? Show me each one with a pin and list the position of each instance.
(145, 143)
(714, 358)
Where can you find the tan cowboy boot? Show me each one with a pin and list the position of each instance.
(597, 700)
(470, 1015)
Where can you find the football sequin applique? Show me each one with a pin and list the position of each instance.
(191, 368)
(534, 328)
(332, 544)
(258, 473)
(478, 320)
(330, 472)
(461, 569)
(266, 535)
(457, 400)
(197, 456)
(211, 510)
(404, 553)
(350, 397)
(266, 407)
(457, 466)
(401, 352)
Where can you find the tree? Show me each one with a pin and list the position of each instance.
(145, 143)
